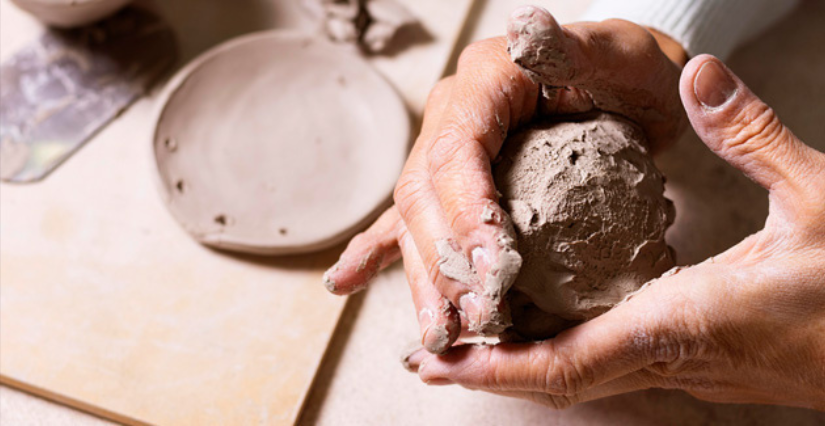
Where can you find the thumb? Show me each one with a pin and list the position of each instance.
(743, 130)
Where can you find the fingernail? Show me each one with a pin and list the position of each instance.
(412, 362)
(426, 320)
(481, 260)
(329, 283)
(471, 307)
(713, 85)
(431, 381)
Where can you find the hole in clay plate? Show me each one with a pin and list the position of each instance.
(573, 157)
(221, 220)
(170, 144)
(181, 186)
(282, 231)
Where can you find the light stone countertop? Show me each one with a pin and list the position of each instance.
(361, 381)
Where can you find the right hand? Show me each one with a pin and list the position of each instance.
(614, 66)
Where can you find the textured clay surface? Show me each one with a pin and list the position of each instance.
(590, 215)
(372, 24)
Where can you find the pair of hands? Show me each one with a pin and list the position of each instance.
(745, 326)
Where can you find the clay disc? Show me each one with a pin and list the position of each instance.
(70, 13)
(278, 143)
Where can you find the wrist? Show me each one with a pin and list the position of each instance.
(670, 47)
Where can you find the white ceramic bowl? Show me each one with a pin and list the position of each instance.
(70, 13)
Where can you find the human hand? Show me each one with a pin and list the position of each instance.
(745, 326)
(446, 192)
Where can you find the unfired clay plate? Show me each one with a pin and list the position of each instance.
(278, 143)
(71, 13)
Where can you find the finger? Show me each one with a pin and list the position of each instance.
(624, 340)
(366, 254)
(635, 381)
(745, 132)
(632, 382)
(421, 208)
(377, 248)
(617, 63)
(437, 103)
(438, 319)
(489, 96)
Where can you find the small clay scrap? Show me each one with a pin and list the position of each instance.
(372, 24)
(590, 215)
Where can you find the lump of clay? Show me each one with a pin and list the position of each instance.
(372, 24)
(590, 215)
(71, 13)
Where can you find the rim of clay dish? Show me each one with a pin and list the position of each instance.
(240, 245)
(70, 3)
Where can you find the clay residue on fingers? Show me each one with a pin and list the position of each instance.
(493, 315)
(454, 265)
(330, 283)
(441, 331)
(501, 274)
(366, 269)
(537, 43)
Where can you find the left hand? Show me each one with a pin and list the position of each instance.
(745, 326)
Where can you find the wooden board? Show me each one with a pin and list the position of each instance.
(108, 306)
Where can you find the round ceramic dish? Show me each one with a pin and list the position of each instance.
(70, 13)
(278, 143)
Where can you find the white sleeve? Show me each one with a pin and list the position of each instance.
(702, 26)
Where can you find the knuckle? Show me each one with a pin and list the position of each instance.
(477, 51)
(756, 129)
(453, 151)
(445, 146)
(680, 339)
(482, 365)
(440, 90)
(467, 212)
(408, 193)
(492, 372)
(360, 240)
(568, 376)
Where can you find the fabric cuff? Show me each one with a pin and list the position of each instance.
(716, 27)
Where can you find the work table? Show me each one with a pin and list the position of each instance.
(361, 380)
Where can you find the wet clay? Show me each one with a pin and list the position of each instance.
(502, 273)
(70, 13)
(268, 144)
(590, 216)
(372, 24)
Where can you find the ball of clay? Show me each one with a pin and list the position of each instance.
(588, 207)
(70, 13)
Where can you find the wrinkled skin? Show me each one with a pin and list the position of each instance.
(745, 326)
(447, 181)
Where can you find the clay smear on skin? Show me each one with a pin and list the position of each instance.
(501, 275)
